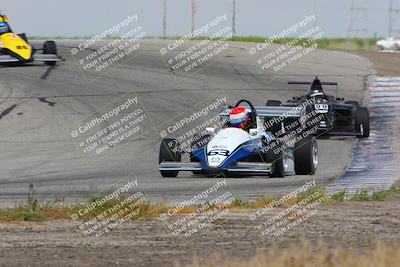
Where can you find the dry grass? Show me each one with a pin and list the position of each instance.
(43, 212)
(303, 254)
(54, 211)
(312, 195)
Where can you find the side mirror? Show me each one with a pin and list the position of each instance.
(210, 130)
(339, 98)
(253, 132)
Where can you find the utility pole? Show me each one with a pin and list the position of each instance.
(393, 13)
(234, 17)
(358, 20)
(164, 19)
(315, 13)
(193, 14)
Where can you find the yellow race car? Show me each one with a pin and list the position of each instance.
(15, 48)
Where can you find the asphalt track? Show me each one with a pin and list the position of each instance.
(39, 105)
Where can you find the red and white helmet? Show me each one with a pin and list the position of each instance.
(239, 117)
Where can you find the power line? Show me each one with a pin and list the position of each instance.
(164, 19)
(358, 19)
(393, 13)
(234, 17)
(193, 14)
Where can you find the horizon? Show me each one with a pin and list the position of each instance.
(254, 18)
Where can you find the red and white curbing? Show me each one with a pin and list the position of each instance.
(376, 160)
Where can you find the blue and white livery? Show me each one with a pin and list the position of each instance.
(251, 151)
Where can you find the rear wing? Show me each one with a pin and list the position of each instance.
(309, 83)
(322, 83)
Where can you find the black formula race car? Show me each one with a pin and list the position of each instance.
(327, 114)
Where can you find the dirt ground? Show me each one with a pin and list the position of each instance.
(385, 63)
(150, 243)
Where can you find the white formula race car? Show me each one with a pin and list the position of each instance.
(234, 151)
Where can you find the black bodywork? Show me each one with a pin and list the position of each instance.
(328, 114)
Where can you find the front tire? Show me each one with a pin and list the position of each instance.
(278, 160)
(306, 156)
(362, 122)
(169, 151)
(50, 48)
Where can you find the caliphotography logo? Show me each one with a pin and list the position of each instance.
(109, 48)
(112, 126)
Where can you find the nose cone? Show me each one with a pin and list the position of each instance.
(223, 144)
(17, 45)
(215, 161)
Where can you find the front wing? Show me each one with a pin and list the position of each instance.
(8, 59)
(344, 133)
(35, 58)
(46, 57)
(239, 167)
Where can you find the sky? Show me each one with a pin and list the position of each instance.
(264, 18)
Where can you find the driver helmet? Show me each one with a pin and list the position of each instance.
(316, 93)
(316, 88)
(3, 27)
(239, 117)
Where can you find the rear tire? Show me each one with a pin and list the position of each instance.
(273, 103)
(169, 151)
(277, 159)
(306, 156)
(50, 48)
(362, 122)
